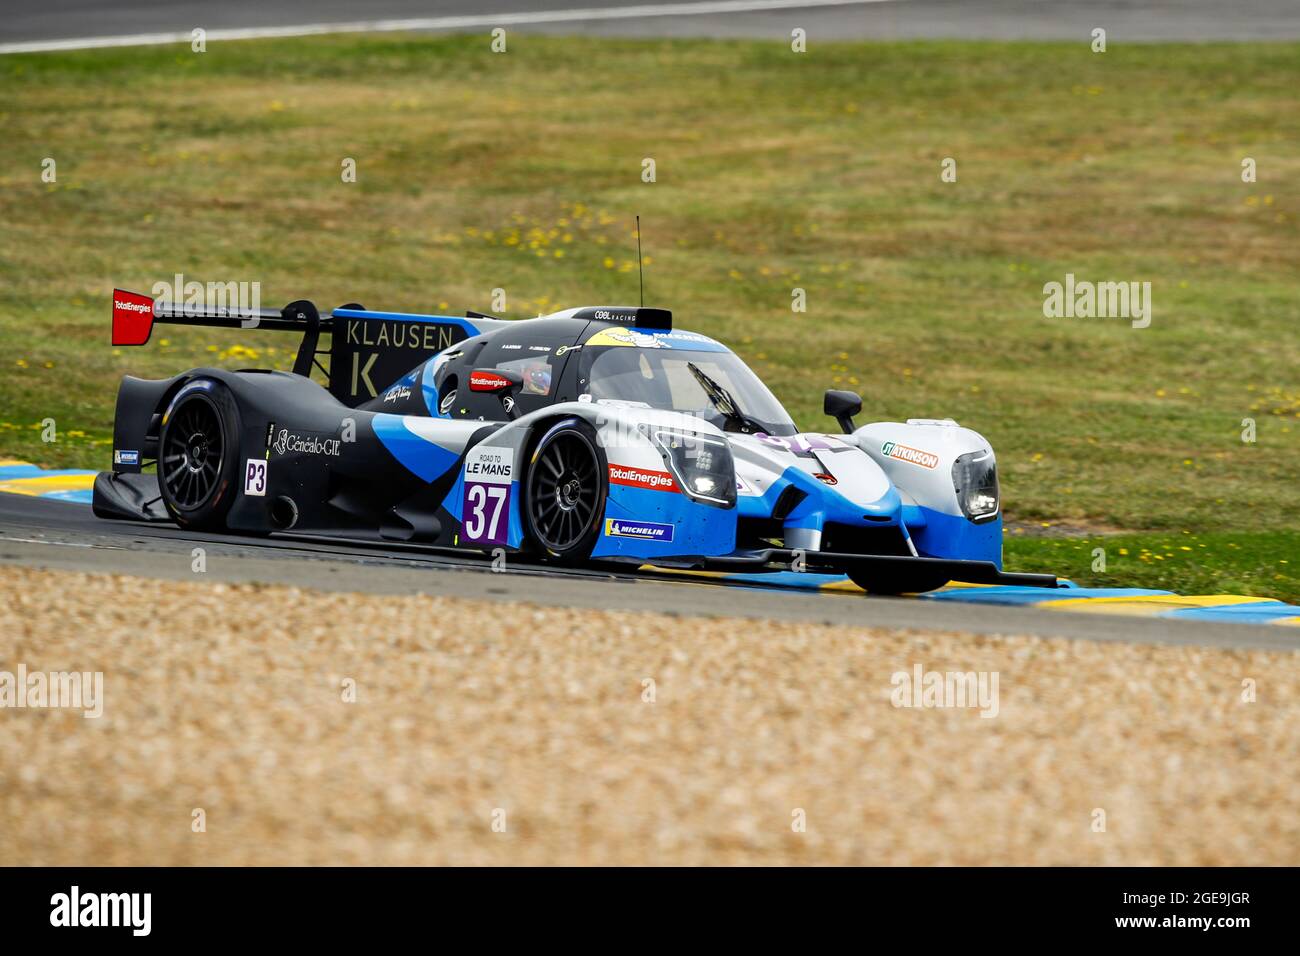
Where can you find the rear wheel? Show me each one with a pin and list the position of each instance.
(197, 456)
(893, 582)
(565, 491)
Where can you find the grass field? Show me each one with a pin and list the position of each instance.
(775, 171)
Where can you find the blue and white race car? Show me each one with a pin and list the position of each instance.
(589, 435)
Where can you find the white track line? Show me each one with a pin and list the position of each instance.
(60, 544)
(438, 23)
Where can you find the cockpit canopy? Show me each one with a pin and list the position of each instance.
(682, 372)
(577, 357)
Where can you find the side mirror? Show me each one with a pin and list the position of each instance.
(500, 382)
(842, 406)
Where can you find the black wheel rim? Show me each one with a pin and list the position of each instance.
(564, 492)
(192, 454)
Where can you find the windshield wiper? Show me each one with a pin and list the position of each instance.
(724, 403)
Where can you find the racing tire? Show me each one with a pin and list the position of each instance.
(198, 452)
(565, 491)
(894, 583)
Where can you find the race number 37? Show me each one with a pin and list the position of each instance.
(255, 477)
(485, 507)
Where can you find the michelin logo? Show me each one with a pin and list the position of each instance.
(645, 530)
(122, 456)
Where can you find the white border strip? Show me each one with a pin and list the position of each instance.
(437, 23)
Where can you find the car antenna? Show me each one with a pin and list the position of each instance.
(639, 271)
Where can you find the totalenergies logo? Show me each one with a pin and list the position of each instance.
(488, 382)
(641, 478)
(914, 456)
(127, 306)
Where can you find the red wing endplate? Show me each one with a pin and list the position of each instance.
(132, 317)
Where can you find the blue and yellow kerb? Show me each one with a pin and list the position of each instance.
(20, 478)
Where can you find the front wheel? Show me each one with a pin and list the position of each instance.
(896, 582)
(565, 491)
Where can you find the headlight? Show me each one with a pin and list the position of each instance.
(975, 479)
(702, 465)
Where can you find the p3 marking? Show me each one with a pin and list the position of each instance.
(255, 477)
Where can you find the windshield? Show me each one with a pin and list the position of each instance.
(664, 378)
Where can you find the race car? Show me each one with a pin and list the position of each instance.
(594, 434)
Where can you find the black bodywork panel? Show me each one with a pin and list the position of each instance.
(352, 485)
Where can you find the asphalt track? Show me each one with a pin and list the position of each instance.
(48, 533)
(40, 23)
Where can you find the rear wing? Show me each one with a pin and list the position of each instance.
(368, 350)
